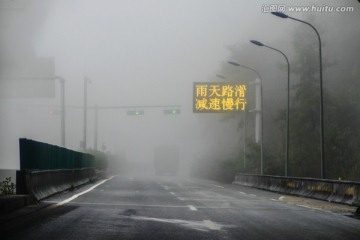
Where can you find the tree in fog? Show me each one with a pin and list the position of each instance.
(304, 135)
(341, 116)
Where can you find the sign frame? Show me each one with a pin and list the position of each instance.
(219, 97)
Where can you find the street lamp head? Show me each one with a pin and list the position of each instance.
(234, 63)
(257, 43)
(280, 14)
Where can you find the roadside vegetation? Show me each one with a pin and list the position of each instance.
(341, 110)
(7, 187)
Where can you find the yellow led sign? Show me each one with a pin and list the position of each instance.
(211, 97)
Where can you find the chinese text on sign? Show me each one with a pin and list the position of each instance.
(218, 97)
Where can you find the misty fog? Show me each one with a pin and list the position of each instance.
(141, 53)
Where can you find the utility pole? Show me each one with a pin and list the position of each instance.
(86, 80)
(96, 128)
(62, 95)
(258, 109)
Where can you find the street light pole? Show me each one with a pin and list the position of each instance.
(62, 106)
(62, 83)
(86, 80)
(96, 128)
(261, 110)
(288, 101)
(245, 136)
(322, 151)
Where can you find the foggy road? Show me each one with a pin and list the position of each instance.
(133, 207)
(206, 88)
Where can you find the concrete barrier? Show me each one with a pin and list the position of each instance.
(330, 190)
(42, 184)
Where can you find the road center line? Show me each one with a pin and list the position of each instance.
(192, 208)
(172, 193)
(82, 193)
(217, 186)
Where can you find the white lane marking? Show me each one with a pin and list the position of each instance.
(148, 206)
(51, 202)
(166, 188)
(82, 193)
(206, 200)
(192, 208)
(281, 198)
(274, 200)
(312, 208)
(204, 225)
(248, 194)
(172, 193)
(180, 198)
(124, 204)
(211, 225)
(217, 186)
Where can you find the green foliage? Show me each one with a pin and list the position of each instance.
(304, 139)
(229, 167)
(253, 158)
(224, 170)
(219, 170)
(341, 118)
(7, 187)
(342, 139)
(341, 101)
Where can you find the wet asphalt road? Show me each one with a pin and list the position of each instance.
(132, 207)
